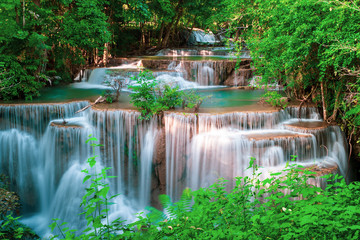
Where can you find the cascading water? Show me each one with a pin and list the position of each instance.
(34, 118)
(43, 162)
(130, 143)
(18, 154)
(205, 74)
(43, 156)
(146, 161)
(97, 76)
(178, 131)
(207, 51)
(214, 146)
(200, 148)
(199, 37)
(176, 82)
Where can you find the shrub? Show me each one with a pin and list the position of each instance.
(144, 96)
(113, 95)
(169, 97)
(192, 100)
(152, 97)
(17, 80)
(275, 99)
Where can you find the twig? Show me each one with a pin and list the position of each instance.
(350, 151)
(99, 100)
(304, 100)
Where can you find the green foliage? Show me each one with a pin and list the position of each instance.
(16, 79)
(275, 99)
(144, 96)
(10, 227)
(169, 96)
(46, 43)
(153, 98)
(192, 100)
(303, 44)
(283, 206)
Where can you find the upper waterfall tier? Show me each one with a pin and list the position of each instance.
(200, 37)
(204, 51)
(205, 71)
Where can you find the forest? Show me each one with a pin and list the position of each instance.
(311, 48)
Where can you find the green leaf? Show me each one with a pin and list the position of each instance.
(104, 191)
(91, 139)
(86, 178)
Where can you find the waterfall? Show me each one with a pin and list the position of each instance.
(97, 76)
(199, 37)
(146, 161)
(43, 157)
(34, 118)
(331, 142)
(241, 120)
(208, 51)
(204, 73)
(204, 147)
(125, 138)
(175, 81)
(227, 153)
(58, 149)
(213, 155)
(178, 132)
(18, 155)
(207, 72)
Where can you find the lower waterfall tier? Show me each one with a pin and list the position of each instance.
(44, 157)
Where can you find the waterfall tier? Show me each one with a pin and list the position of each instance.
(34, 118)
(43, 156)
(207, 73)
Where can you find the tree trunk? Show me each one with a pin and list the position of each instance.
(105, 55)
(96, 56)
(177, 21)
(142, 36)
(160, 35)
(171, 27)
(37, 3)
(323, 101)
(23, 13)
(192, 28)
(17, 15)
(167, 35)
(336, 106)
(179, 11)
(237, 35)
